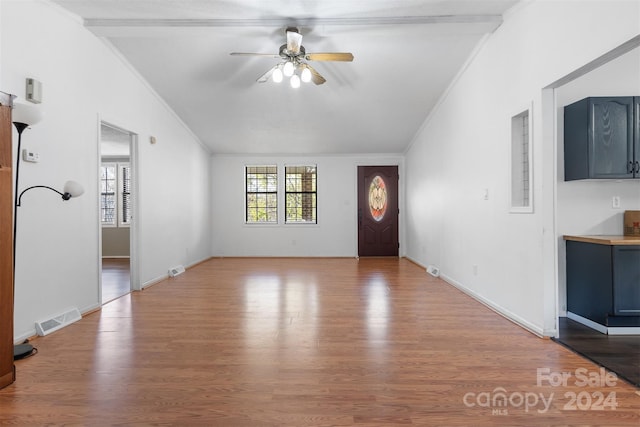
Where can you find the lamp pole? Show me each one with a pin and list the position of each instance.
(19, 350)
(20, 127)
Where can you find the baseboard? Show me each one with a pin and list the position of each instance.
(609, 330)
(416, 262)
(193, 264)
(155, 281)
(163, 277)
(92, 309)
(623, 330)
(116, 257)
(586, 322)
(534, 329)
(85, 311)
(25, 337)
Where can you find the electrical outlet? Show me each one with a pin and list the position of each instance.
(30, 156)
(615, 202)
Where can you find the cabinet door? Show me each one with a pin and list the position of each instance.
(611, 139)
(626, 280)
(589, 287)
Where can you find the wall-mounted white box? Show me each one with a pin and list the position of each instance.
(34, 91)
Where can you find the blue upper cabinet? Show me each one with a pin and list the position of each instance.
(602, 138)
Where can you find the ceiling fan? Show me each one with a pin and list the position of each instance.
(293, 65)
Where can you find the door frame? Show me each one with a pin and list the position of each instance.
(555, 304)
(134, 265)
(395, 161)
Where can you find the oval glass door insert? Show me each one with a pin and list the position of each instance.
(378, 198)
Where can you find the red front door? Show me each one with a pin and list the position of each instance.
(378, 211)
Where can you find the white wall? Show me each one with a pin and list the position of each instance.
(463, 149)
(116, 242)
(335, 235)
(85, 81)
(585, 207)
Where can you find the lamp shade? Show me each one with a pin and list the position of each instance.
(73, 188)
(25, 114)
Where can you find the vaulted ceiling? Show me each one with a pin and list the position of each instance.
(406, 53)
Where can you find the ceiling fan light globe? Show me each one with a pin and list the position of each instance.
(277, 75)
(305, 76)
(295, 81)
(288, 69)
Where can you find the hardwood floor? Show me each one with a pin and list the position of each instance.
(116, 280)
(307, 342)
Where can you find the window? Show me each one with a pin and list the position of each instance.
(124, 171)
(261, 186)
(521, 168)
(115, 194)
(300, 194)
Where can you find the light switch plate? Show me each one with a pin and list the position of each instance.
(615, 202)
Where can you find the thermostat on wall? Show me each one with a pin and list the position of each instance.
(30, 156)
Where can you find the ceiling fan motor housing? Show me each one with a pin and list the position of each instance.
(284, 53)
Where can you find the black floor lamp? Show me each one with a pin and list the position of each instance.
(23, 116)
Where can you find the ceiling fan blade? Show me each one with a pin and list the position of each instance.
(265, 77)
(269, 55)
(315, 76)
(330, 56)
(294, 41)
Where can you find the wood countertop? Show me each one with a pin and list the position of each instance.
(606, 240)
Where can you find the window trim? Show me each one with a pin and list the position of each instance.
(119, 193)
(121, 219)
(517, 138)
(315, 166)
(246, 195)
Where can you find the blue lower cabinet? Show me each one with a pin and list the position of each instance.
(603, 282)
(626, 280)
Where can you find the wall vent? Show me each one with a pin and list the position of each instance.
(47, 326)
(433, 270)
(174, 271)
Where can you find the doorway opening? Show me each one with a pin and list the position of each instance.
(116, 211)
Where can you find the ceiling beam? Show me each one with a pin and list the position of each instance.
(477, 24)
(279, 22)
